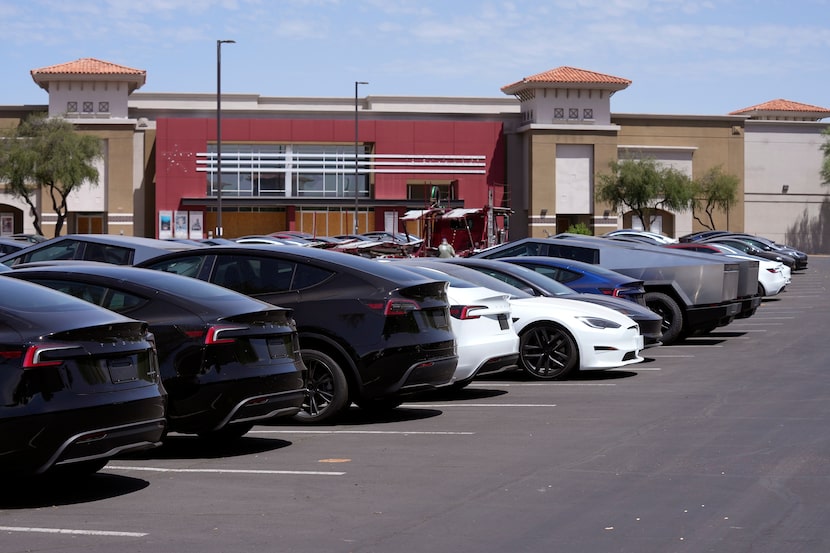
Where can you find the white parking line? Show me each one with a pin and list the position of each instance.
(444, 405)
(71, 531)
(538, 384)
(225, 471)
(401, 432)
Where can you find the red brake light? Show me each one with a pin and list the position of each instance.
(609, 291)
(400, 307)
(38, 356)
(214, 334)
(464, 312)
(394, 307)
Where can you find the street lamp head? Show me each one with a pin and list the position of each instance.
(226, 41)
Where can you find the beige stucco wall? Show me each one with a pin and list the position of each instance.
(713, 141)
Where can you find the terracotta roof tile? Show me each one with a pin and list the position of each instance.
(782, 105)
(569, 75)
(88, 66)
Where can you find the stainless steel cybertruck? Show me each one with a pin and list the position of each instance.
(694, 293)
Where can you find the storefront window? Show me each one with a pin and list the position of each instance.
(313, 171)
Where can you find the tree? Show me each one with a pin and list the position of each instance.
(642, 186)
(47, 153)
(825, 164)
(714, 190)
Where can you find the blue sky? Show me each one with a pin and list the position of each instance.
(684, 57)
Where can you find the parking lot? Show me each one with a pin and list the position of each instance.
(717, 443)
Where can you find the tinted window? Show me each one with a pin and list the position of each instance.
(307, 276)
(114, 300)
(64, 249)
(566, 275)
(107, 253)
(25, 297)
(586, 255)
(185, 266)
(528, 248)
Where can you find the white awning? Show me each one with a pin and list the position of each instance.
(460, 213)
(416, 214)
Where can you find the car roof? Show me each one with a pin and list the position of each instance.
(356, 263)
(143, 247)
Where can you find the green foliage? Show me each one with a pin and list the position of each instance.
(642, 186)
(579, 228)
(825, 164)
(714, 190)
(46, 153)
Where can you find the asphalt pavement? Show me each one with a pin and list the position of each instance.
(719, 443)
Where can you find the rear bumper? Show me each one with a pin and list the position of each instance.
(710, 316)
(748, 307)
(213, 405)
(34, 444)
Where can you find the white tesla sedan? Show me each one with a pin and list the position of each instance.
(486, 340)
(773, 276)
(556, 335)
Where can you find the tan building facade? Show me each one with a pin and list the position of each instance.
(557, 133)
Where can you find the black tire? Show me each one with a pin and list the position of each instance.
(547, 352)
(228, 434)
(667, 308)
(761, 291)
(327, 389)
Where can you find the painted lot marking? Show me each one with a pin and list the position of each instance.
(537, 384)
(225, 471)
(448, 404)
(400, 432)
(72, 531)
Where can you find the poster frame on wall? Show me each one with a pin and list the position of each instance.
(197, 225)
(165, 224)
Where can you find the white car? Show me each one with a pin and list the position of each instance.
(556, 335)
(486, 340)
(773, 276)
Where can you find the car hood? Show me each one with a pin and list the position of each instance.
(626, 307)
(536, 308)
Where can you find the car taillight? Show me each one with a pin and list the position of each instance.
(216, 334)
(775, 270)
(46, 355)
(395, 307)
(610, 291)
(464, 312)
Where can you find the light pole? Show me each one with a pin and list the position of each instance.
(219, 44)
(356, 188)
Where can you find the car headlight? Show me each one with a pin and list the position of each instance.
(596, 322)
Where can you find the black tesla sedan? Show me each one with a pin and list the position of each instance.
(226, 360)
(78, 383)
(369, 332)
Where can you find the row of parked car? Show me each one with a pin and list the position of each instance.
(109, 342)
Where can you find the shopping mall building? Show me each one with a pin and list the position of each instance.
(328, 165)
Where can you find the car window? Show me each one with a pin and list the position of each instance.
(549, 272)
(504, 277)
(566, 275)
(306, 276)
(114, 300)
(64, 249)
(529, 248)
(185, 266)
(107, 253)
